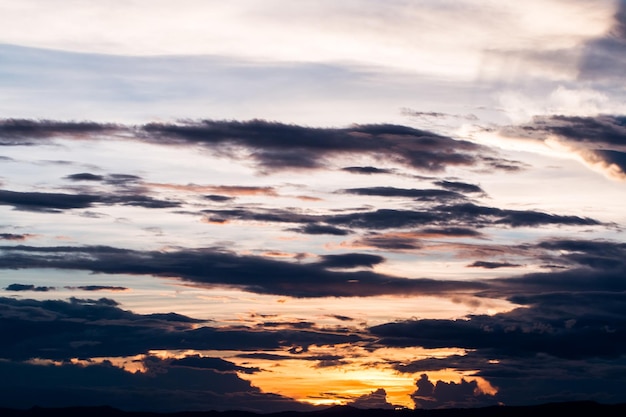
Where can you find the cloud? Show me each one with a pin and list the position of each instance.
(84, 176)
(369, 170)
(417, 194)
(603, 57)
(167, 386)
(251, 273)
(350, 260)
(28, 287)
(460, 187)
(58, 202)
(46, 202)
(320, 229)
(492, 265)
(599, 141)
(99, 288)
(376, 399)
(15, 236)
(275, 146)
(29, 132)
(89, 328)
(464, 394)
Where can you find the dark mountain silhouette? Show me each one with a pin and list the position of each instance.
(552, 409)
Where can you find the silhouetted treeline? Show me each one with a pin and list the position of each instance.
(586, 408)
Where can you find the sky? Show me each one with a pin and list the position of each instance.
(278, 205)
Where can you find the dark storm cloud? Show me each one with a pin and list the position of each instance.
(417, 194)
(215, 267)
(367, 170)
(57, 202)
(85, 328)
(165, 387)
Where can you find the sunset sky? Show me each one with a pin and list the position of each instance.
(277, 205)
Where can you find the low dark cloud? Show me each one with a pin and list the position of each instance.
(87, 328)
(15, 236)
(216, 267)
(600, 141)
(28, 287)
(98, 288)
(47, 202)
(215, 364)
(58, 202)
(390, 241)
(350, 260)
(167, 386)
(276, 146)
(492, 265)
(25, 132)
(367, 170)
(84, 176)
(321, 229)
(464, 394)
(376, 399)
(417, 194)
(218, 198)
(460, 187)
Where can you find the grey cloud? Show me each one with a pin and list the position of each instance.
(175, 389)
(25, 132)
(276, 146)
(350, 260)
(417, 194)
(376, 399)
(367, 170)
(28, 287)
(84, 176)
(321, 229)
(492, 265)
(603, 58)
(57, 202)
(464, 394)
(460, 187)
(598, 140)
(215, 267)
(61, 330)
(48, 202)
(15, 236)
(218, 198)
